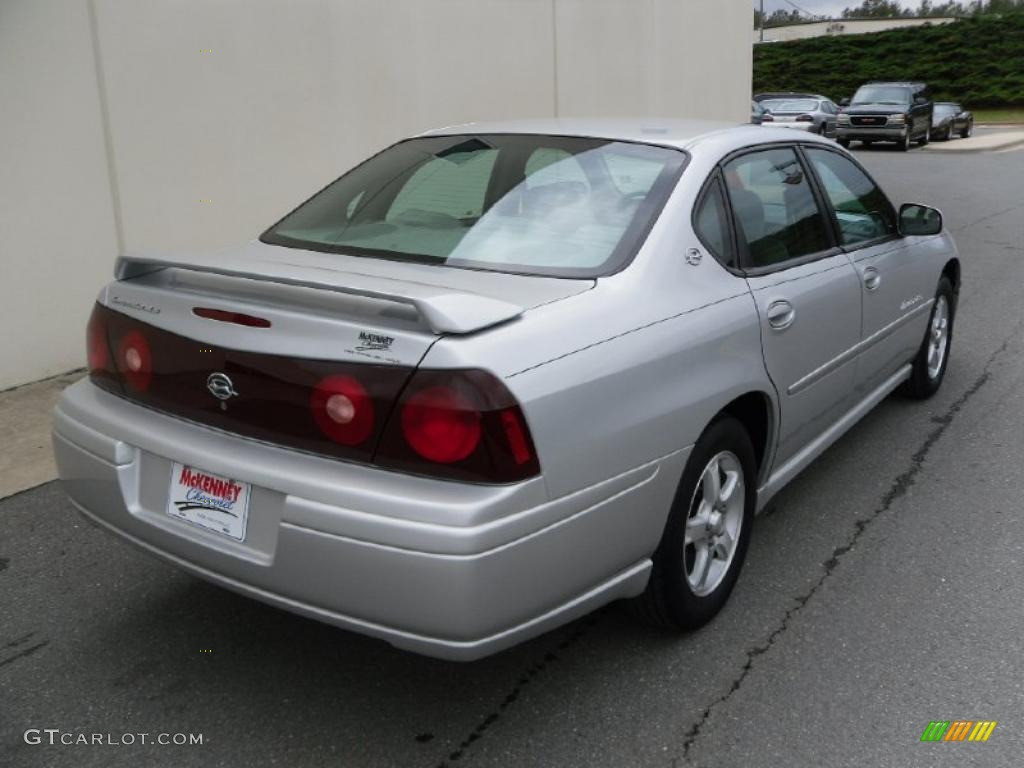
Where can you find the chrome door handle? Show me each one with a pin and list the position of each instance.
(781, 314)
(871, 278)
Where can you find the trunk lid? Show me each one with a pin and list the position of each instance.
(259, 340)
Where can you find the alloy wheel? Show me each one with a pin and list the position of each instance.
(938, 337)
(714, 523)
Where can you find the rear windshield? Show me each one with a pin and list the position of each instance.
(552, 205)
(947, 109)
(882, 94)
(793, 105)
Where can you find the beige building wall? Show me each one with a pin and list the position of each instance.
(173, 124)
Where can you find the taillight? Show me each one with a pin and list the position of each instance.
(441, 425)
(135, 361)
(342, 410)
(804, 119)
(767, 119)
(461, 424)
(97, 347)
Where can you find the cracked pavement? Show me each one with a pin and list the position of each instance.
(882, 590)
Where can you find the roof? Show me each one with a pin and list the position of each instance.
(905, 83)
(664, 131)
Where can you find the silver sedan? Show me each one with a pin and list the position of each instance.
(499, 375)
(817, 115)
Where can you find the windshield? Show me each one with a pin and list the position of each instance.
(946, 109)
(793, 105)
(882, 94)
(569, 207)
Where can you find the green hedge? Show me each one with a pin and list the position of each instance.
(977, 61)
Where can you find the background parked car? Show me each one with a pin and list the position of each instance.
(899, 112)
(784, 95)
(756, 113)
(817, 114)
(951, 119)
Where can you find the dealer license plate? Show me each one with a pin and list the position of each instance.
(209, 501)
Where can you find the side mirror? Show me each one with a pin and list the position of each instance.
(917, 219)
(844, 102)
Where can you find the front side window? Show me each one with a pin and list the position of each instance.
(776, 213)
(553, 205)
(862, 209)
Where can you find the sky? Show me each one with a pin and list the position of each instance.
(824, 7)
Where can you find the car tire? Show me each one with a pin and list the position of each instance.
(696, 564)
(823, 130)
(904, 143)
(928, 371)
(844, 143)
(968, 130)
(923, 141)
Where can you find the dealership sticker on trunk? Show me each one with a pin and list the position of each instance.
(209, 501)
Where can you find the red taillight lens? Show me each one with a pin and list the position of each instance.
(97, 348)
(767, 119)
(342, 410)
(135, 361)
(804, 119)
(459, 424)
(441, 425)
(238, 318)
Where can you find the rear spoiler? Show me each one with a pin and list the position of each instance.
(442, 309)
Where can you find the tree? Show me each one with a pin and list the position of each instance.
(877, 9)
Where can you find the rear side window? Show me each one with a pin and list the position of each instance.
(712, 226)
(777, 216)
(862, 209)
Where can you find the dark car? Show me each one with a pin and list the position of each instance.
(896, 112)
(951, 119)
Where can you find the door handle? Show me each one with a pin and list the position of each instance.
(871, 278)
(781, 314)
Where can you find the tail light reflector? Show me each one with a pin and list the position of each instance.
(767, 119)
(342, 409)
(804, 119)
(135, 360)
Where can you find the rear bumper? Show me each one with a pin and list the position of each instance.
(446, 569)
(871, 133)
(806, 127)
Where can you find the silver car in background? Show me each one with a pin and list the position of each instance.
(501, 374)
(816, 115)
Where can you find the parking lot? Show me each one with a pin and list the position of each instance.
(882, 591)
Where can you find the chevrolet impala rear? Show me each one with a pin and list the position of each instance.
(367, 416)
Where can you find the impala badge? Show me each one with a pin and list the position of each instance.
(221, 387)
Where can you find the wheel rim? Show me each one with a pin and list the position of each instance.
(714, 523)
(938, 337)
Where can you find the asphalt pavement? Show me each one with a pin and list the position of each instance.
(882, 590)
